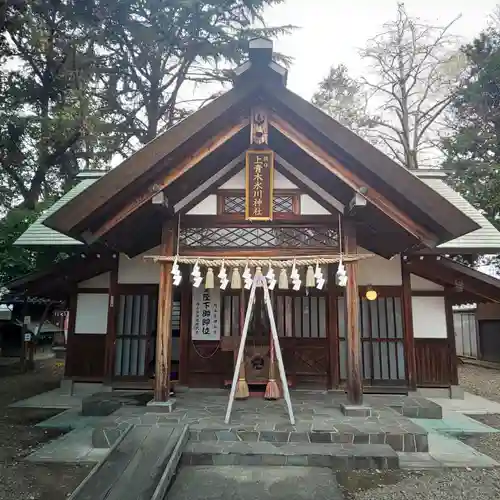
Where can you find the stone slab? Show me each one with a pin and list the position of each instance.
(450, 452)
(160, 406)
(73, 447)
(454, 424)
(417, 461)
(399, 440)
(136, 465)
(263, 483)
(106, 433)
(408, 406)
(356, 410)
(338, 457)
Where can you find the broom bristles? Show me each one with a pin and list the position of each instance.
(272, 390)
(242, 391)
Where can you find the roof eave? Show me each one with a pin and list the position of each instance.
(75, 212)
(453, 223)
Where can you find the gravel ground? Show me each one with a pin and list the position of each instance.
(22, 480)
(481, 381)
(449, 484)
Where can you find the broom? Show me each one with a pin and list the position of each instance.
(242, 391)
(272, 388)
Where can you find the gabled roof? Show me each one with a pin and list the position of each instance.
(484, 239)
(138, 176)
(40, 235)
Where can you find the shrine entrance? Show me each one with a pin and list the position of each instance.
(301, 321)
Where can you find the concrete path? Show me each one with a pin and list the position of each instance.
(471, 404)
(255, 483)
(59, 398)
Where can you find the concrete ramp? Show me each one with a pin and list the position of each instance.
(139, 467)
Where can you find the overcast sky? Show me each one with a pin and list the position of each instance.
(332, 31)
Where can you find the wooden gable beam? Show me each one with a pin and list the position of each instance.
(195, 196)
(352, 180)
(315, 191)
(163, 182)
(436, 270)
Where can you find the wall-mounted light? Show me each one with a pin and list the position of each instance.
(371, 293)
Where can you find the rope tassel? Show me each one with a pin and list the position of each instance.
(236, 279)
(283, 280)
(209, 279)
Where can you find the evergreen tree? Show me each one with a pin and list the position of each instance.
(473, 148)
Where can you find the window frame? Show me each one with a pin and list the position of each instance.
(222, 194)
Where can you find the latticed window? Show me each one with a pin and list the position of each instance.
(234, 203)
(262, 237)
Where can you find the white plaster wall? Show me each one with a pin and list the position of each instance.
(429, 317)
(137, 270)
(100, 281)
(91, 313)
(379, 271)
(383, 272)
(208, 206)
(308, 206)
(418, 283)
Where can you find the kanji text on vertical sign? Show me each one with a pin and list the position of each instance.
(259, 185)
(205, 323)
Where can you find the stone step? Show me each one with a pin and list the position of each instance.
(139, 466)
(398, 439)
(340, 457)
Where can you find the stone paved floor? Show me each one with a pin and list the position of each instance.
(316, 413)
(313, 411)
(255, 483)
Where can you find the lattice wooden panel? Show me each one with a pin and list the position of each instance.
(262, 237)
(283, 204)
(236, 204)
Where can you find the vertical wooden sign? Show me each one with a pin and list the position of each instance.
(259, 167)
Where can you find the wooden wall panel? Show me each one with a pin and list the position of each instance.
(306, 360)
(85, 357)
(432, 362)
(208, 365)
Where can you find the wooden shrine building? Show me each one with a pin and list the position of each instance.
(260, 174)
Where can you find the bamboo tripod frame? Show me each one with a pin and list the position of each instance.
(260, 280)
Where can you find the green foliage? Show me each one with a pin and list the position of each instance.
(16, 261)
(162, 59)
(83, 81)
(473, 149)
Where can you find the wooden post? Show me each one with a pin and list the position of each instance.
(450, 330)
(409, 342)
(24, 345)
(354, 379)
(186, 296)
(109, 360)
(164, 322)
(333, 331)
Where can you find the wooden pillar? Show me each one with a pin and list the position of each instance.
(409, 342)
(70, 339)
(450, 330)
(24, 346)
(333, 331)
(164, 322)
(113, 298)
(354, 377)
(186, 296)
